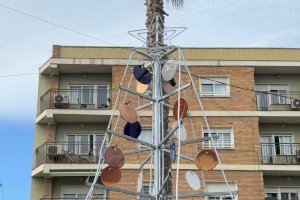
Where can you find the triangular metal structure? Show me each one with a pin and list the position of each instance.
(153, 61)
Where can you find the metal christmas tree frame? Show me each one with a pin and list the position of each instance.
(154, 58)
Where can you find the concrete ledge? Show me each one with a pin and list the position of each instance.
(75, 115)
(89, 169)
(56, 65)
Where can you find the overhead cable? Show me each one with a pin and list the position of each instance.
(55, 24)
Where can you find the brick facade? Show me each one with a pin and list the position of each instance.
(47, 188)
(246, 150)
(56, 51)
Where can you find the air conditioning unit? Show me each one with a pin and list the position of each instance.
(59, 99)
(296, 103)
(54, 150)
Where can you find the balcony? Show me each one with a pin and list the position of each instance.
(280, 153)
(82, 99)
(277, 101)
(68, 153)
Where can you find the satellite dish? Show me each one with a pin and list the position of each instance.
(128, 112)
(141, 88)
(114, 157)
(58, 98)
(193, 180)
(110, 176)
(142, 74)
(182, 133)
(206, 160)
(296, 103)
(133, 130)
(139, 182)
(183, 107)
(168, 71)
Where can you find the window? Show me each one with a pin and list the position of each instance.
(146, 136)
(282, 193)
(90, 94)
(275, 94)
(223, 138)
(146, 188)
(214, 86)
(277, 148)
(84, 144)
(76, 193)
(220, 187)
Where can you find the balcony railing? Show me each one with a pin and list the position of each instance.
(280, 154)
(277, 101)
(62, 153)
(86, 99)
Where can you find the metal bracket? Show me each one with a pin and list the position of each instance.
(130, 138)
(136, 93)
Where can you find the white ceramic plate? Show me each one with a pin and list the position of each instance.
(168, 71)
(183, 134)
(193, 180)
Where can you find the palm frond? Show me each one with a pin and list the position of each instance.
(177, 3)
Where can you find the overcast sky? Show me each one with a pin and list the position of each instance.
(26, 43)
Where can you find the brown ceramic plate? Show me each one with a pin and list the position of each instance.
(206, 160)
(168, 88)
(141, 88)
(110, 176)
(183, 107)
(114, 157)
(128, 112)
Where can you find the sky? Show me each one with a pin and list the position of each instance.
(25, 44)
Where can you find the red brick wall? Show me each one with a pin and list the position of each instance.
(249, 184)
(51, 133)
(55, 51)
(239, 100)
(47, 187)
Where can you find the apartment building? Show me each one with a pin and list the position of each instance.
(256, 116)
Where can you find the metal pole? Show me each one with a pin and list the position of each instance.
(156, 125)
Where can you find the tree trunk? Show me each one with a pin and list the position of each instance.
(153, 7)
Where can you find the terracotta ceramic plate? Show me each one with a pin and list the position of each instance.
(183, 107)
(110, 176)
(141, 88)
(206, 160)
(128, 112)
(133, 130)
(142, 74)
(193, 180)
(182, 133)
(168, 71)
(114, 157)
(168, 88)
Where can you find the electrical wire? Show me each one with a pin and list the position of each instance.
(13, 75)
(243, 88)
(55, 24)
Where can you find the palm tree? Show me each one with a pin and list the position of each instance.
(157, 7)
(153, 7)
